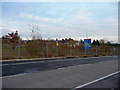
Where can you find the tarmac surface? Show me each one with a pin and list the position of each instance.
(110, 82)
(13, 68)
(67, 73)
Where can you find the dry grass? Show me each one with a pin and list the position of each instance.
(38, 50)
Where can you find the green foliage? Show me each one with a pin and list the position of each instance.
(97, 42)
(81, 41)
(94, 43)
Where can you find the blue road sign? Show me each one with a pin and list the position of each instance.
(87, 43)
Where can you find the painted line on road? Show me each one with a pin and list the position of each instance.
(86, 58)
(13, 75)
(61, 68)
(95, 57)
(81, 86)
(53, 69)
(20, 63)
(73, 66)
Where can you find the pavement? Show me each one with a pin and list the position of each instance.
(68, 73)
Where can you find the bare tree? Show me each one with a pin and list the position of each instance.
(102, 41)
(35, 32)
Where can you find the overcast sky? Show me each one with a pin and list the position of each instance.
(62, 19)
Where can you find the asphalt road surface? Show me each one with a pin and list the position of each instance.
(110, 82)
(61, 73)
(13, 68)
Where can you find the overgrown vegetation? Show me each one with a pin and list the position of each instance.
(37, 48)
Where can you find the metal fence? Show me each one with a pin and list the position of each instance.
(49, 49)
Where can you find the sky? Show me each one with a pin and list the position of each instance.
(77, 20)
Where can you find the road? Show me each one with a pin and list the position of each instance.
(61, 73)
(110, 82)
(13, 68)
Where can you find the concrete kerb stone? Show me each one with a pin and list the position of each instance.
(35, 59)
(32, 59)
(38, 59)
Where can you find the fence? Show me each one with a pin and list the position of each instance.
(44, 49)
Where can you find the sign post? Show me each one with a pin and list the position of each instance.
(87, 45)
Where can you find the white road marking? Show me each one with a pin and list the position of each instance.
(73, 66)
(14, 75)
(26, 73)
(95, 57)
(81, 86)
(57, 68)
(21, 63)
(61, 68)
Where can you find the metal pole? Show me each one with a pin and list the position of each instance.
(46, 49)
(96, 50)
(114, 51)
(19, 47)
(57, 50)
(111, 51)
(104, 50)
(70, 50)
(90, 52)
(85, 51)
